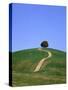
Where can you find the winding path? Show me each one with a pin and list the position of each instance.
(42, 60)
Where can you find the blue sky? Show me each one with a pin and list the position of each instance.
(32, 24)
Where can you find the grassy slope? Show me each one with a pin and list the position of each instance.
(52, 71)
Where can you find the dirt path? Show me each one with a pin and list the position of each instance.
(42, 60)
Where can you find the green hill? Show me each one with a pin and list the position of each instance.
(53, 71)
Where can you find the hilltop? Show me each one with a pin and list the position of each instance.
(24, 62)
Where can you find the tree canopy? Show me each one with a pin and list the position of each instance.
(44, 44)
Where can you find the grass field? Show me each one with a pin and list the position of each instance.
(53, 71)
